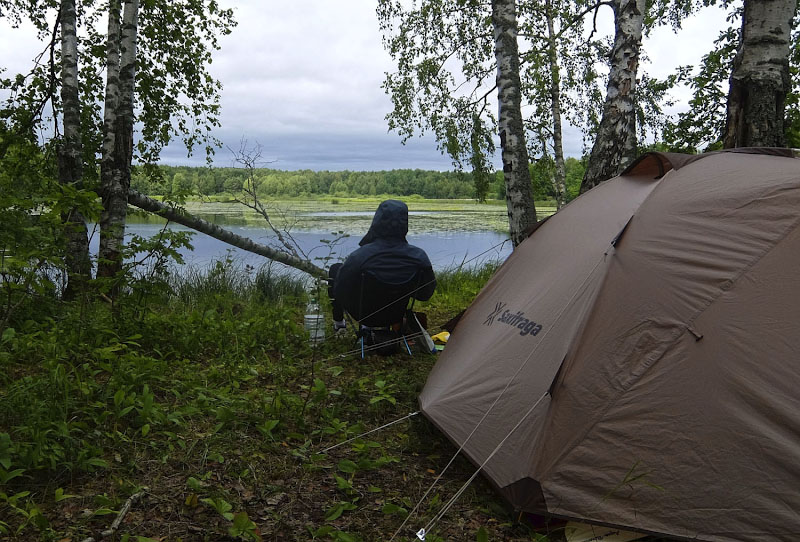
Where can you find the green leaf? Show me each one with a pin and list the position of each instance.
(242, 525)
(390, 509)
(7, 476)
(8, 334)
(195, 484)
(103, 501)
(145, 429)
(60, 495)
(483, 535)
(103, 512)
(345, 465)
(242, 522)
(338, 510)
(222, 506)
(342, 483)
(322, 531)
(267, 427)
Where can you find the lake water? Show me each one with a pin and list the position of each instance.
(470, 235)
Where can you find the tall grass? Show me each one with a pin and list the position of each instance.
(195, 286)
(455, 289)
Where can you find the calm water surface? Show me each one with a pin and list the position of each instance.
(450, 238)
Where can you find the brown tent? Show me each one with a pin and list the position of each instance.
(636, 362)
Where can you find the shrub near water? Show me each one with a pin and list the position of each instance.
(213, 399)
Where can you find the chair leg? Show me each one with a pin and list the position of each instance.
(408, 348)
(362, 346)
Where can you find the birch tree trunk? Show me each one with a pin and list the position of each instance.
(115, 167)
(615, 143)
(182, 217)
(555, 98)
(112, 91)
(70, 161)
(760, 79)
(519, 196)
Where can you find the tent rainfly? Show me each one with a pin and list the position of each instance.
(635, 362)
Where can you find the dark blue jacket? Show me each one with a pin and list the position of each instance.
(385, 253)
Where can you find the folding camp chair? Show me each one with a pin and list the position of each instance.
(382, 310)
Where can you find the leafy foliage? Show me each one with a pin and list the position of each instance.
(175, 93)
(32, 207)
(271, 183)
(701, 126)
(211, 395)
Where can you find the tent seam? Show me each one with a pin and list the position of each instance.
(676, 335)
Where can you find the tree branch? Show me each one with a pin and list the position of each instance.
(596, 7)
(249, 159)
(121, 516)
(181, 216)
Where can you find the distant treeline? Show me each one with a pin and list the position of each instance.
(207, 181)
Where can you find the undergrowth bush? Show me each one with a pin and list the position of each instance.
(77, 383)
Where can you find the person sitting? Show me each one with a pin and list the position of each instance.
(387, 257)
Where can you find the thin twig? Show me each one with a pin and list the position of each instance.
(120, 517)
(249, 159)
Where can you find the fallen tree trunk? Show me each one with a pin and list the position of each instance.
(181, 216)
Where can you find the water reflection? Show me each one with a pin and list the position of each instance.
(446, 249)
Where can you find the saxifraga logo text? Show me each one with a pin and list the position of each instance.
(516, 319)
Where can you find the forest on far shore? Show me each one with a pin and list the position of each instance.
(228, 181)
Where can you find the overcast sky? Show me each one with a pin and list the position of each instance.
(303, 79)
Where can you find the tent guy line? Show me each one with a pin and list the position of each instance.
(384, 426)
(636, 401)
(577, 291)
(439, 515)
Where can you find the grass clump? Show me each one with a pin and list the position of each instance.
(456, 287)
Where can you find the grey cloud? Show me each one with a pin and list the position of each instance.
(325, 151)
(303, 78)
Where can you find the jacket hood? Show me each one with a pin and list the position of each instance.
(390, 222)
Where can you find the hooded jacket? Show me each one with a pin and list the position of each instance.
(385, 253)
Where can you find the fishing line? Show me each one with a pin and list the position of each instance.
(420, 287)
(418, 334)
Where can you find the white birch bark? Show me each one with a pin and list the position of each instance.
(760, 79)
(555, 99)
(70, 161)
(519, 197)
(118, 137)
(615, 143)
(112, 84)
